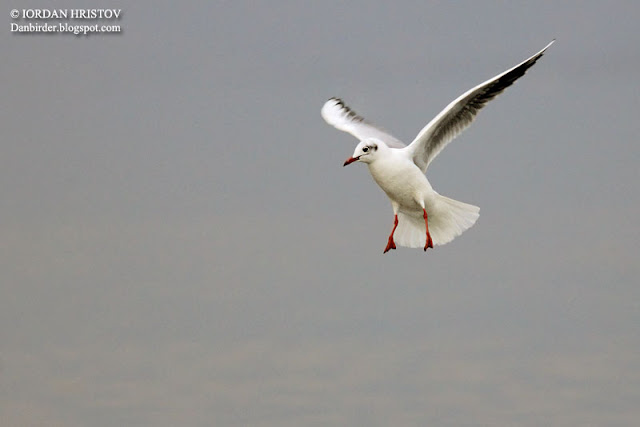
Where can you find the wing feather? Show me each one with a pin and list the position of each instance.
(459, 114)
(338, 115)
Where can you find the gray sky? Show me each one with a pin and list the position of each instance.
(180, 244)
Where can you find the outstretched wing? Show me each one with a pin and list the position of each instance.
(338, 115)
(458, 115)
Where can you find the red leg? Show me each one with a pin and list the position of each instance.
(391, 244)
(429, 243)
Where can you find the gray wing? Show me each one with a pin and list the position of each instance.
(338, 115)
(458, 115)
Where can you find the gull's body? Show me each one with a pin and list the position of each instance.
(422, 217)
(400, 179)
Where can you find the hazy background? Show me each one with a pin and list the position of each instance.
(180, 244)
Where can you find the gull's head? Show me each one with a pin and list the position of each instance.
(366, 152)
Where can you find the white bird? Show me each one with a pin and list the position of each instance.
(422, 217)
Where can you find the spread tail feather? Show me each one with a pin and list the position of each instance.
(448, 219)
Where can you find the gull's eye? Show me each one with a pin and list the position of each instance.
(365, 149)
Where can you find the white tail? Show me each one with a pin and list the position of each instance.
(448, 219)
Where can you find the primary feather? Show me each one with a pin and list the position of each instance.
(338, 115)
(459, 114)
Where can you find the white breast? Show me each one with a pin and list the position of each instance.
(401, 180)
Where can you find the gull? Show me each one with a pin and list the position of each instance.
(422, 217)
